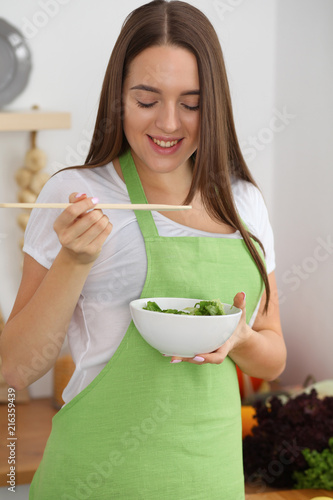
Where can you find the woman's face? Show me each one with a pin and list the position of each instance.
(161, 108)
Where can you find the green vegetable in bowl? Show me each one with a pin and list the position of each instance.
(202, 308)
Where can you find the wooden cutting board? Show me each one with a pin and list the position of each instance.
(289, 495)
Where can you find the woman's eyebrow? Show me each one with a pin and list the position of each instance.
(158, 91)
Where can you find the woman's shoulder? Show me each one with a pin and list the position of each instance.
(252, 209)
(245, 189)
(248, 199)
(68, 175)
(82, 174)
(91, 180)
(250, 204)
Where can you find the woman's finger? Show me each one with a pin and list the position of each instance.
(71, 213)
(216, 357)
(240, 300)
(88, 229)
(74, 197)
(90, 221)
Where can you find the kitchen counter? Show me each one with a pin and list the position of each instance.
(289, 495)
(33, 426)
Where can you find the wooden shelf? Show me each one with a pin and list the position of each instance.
(14, 121)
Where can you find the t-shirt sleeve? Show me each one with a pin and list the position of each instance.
(252, 209)
(40, 240)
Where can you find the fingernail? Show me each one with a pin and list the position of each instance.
(79, 195)
(199, 359)
(244, 295)
(176, 361)
(95, 200)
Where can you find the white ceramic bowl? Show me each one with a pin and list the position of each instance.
(180, 335)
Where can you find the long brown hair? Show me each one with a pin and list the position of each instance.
(218, 156)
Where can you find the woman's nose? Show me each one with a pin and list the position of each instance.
(168, 118)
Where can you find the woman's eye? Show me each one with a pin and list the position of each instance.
(150, 105)
(143, 105)
(191, 108)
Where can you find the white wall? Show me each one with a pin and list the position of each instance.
(303, 185)
(278, 56)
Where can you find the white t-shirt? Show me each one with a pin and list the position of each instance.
(102, 314)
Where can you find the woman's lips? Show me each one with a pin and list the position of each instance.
(165, 146)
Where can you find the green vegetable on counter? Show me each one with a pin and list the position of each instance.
(202, 308)
(319, 475)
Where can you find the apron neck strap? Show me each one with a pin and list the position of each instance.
(137, 194)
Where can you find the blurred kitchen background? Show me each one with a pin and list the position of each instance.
(279, 57)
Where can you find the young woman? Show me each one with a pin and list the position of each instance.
(137, 425)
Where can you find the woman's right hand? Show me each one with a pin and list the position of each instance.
(81, 230)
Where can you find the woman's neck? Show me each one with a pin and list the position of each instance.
(157, 186)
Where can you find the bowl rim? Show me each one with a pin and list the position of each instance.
(134, 303)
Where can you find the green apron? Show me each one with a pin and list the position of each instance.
(145, 428)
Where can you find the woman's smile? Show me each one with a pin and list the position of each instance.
(164, 146)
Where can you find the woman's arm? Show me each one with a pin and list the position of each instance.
(259, 351)
(35, 331)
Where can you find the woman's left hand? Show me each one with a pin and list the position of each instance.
(240, 335)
